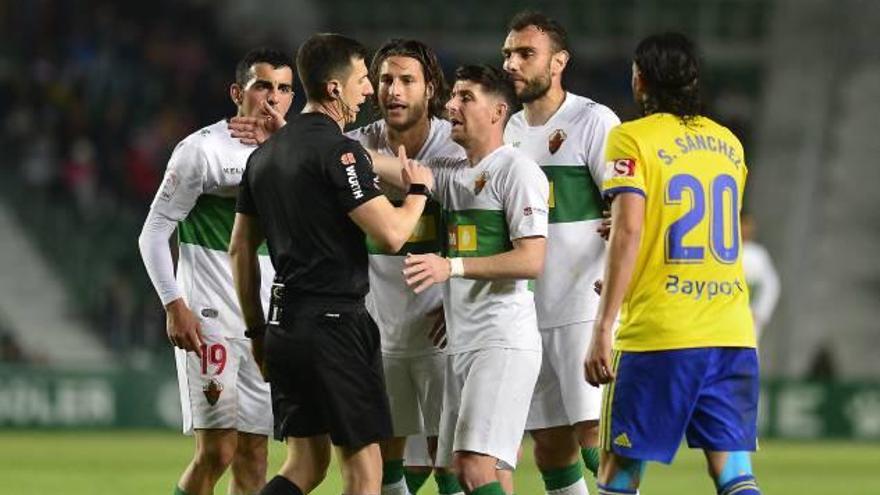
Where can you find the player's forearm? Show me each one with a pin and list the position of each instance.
(388, 168)
(519, 263)
(154, 247)
(247, 280)
(622, 253)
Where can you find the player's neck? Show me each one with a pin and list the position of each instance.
(481, 147)
(412, 138)
(538, 112)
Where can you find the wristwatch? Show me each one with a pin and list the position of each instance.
(419, 189)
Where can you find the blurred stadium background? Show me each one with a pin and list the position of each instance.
(95, 94)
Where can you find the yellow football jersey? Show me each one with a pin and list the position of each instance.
(688, 288)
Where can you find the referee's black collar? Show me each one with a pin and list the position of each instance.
(318, 117)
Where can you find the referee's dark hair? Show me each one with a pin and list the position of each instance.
(275, 58)
(431, 70)
(670, 69)
(323, 57)
(544, 23)
(493, 81)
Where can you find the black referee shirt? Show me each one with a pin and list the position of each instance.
(302, 184)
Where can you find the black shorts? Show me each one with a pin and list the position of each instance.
(325, 367)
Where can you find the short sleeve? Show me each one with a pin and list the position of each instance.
(624, 165)
(245, 202)
(526, 198)
(351, 175)
(595, 143)
(183, 183)
(442, 167)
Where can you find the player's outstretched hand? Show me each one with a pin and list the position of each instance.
(184, 329)
(597, 365)
(437, 334)
(256, 130)
(424, 270)
(604, 228)
(414, 172)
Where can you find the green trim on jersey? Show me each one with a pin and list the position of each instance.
(424, 239)
(209, 224)
(474, 233)
(574, 196)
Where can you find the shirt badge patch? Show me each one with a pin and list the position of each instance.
(556, 140)
(624, 167)
(169, 185)
(480, 183)
(347, 158)
(212, 391)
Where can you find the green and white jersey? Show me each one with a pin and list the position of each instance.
(570, 148)
(400, 313)
(199, 191)
(486, 206)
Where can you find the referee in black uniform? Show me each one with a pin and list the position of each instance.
(312, 194)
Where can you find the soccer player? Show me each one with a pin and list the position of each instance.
(495, 204)
(565, 133)
(310, 192)
(761, 275)
(224, 398)
(411, 91)
(683, 361)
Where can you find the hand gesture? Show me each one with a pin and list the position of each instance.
(425, 270)
(597, 364)
(256, 130)
(413, 172)
(184, 329)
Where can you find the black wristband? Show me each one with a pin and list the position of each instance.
(419, 189)
(257, 331)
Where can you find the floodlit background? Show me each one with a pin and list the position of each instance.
(95, 94)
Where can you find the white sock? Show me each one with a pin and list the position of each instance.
(398, 488)
(579, 487)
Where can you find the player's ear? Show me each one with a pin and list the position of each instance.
(560, 60)
(429, 90)
(501, 110)
(236, 94)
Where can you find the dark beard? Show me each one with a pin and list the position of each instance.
(534, 89)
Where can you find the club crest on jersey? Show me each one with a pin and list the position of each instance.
(556, 140)
(212, 391)
(480, 183)
(624, 167)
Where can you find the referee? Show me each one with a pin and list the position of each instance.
(312, 194)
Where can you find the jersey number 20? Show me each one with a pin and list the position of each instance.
(720, 219)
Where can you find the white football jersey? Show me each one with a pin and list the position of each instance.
(400, 313)
(487, 206)
(199, 191)
(570, 148)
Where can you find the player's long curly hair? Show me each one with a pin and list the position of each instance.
(670, 69)
(431, 69)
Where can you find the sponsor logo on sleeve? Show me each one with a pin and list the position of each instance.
(347, 158)
(353, 181)
(623, 167)
(169, 186)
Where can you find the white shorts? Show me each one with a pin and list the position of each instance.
(486, 402)
(223, 389)
(415, 392)
(416, 451)
(562, 394)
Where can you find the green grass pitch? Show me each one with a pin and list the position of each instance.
(149, 462)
